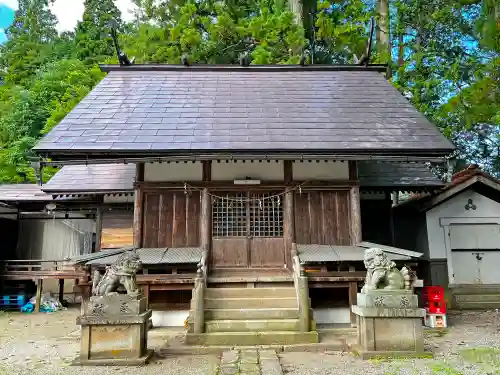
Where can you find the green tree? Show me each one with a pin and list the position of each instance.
(93, 39)
(28, 113)
(29, 41)
(218, 33)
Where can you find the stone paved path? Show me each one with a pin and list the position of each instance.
(249, 362)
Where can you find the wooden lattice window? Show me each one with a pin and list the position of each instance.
(229, 215)
(247, 214)
(266, 215)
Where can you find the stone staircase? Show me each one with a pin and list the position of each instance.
(251, 316)
(476, 297)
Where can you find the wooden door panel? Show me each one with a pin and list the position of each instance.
(322, 217)
(230, 252)
(267, 252)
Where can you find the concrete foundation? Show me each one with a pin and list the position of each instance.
(392, 328)
(114, 331)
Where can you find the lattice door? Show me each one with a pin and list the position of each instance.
(247, 215)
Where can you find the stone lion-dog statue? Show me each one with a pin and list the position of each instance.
(382, 274)
(121, 273)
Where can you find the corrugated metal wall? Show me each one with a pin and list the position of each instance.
(54, 239)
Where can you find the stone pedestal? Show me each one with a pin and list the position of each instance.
(389, 324)
(114, 331)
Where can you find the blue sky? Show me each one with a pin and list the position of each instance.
(68, 13)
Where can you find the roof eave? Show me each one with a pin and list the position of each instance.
(381, 68)
(63, 157)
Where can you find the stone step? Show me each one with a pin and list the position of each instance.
(475, 289)
(250, 292)
(252, 325)
(242, 314)
(247, 303)
(476, 305)
(251, 338)
(477, 298)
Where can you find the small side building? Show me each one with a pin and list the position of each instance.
(457, 228)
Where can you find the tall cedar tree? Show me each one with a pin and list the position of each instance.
(29, 41)
(93, 39)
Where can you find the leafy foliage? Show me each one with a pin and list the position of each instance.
(445, 57)
(92, 37)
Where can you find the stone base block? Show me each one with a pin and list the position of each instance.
(117, 338)
(114, 361)
(386, 330)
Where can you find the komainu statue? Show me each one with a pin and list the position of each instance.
(122, 272)
(382, 274)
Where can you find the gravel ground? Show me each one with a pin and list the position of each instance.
(470, 346)
(43, 344)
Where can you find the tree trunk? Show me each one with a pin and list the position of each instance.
(383, 31)
(401, 48)
(296, 7)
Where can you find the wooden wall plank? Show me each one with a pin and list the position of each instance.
(193, 208)
(179, 220)
(322, 217)
(151, 220)
(301, 217)
(117, 229)
(229, 252)
(165, 217)
(267, 252)
(139, 214)
(172, 219)
(344, 232)
(316, 217)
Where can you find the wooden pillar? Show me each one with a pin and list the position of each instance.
(353, 299)
(353, 170)
(145, 292)
(355, 216)
(61, 290)
(98, 230)
(288, 213)
(389, 199)
(206, 170)
(138, 206)
(205, 222)
(288, 226)
(38, 299)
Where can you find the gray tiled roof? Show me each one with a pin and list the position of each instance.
(328, 253)
(150, 256)
(92, 178)
(238, 109)
(373, 173)
(22, 193)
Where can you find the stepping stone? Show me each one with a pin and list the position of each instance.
(249, 369)
(229, 357)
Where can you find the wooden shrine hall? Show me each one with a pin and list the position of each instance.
(259, 167)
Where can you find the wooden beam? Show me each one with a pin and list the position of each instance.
(61, 290)
(205, 222)
(388, 199)
(288, 172)
(355, 216)
(139, 206)
(38, 298)
(353, 299)
(207, 170)
(353, 170)
(288, 226)
(98, 230)
(264, 185)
